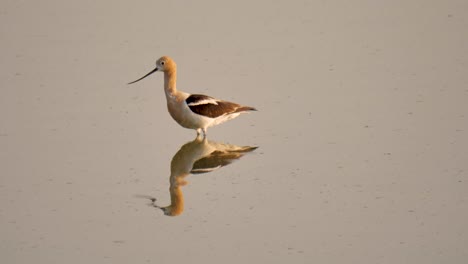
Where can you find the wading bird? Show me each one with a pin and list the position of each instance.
(194, 111)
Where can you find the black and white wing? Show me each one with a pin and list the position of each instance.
(210, 107)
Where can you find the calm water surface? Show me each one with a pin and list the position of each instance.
(357, 153)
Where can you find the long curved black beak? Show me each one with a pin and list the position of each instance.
(151, 72)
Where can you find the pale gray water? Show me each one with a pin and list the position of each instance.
(362, 132)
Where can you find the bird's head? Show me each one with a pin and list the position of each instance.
(164, 64)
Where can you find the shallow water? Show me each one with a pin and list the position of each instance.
(361, 133)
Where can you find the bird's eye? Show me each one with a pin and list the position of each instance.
(162, 62)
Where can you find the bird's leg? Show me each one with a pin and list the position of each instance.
(201, 133)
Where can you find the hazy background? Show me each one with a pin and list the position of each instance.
(362, 131)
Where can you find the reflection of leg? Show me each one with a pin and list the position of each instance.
(199, 137)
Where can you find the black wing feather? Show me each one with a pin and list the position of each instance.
(210, 110)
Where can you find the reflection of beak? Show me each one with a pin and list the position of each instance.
(151, 72)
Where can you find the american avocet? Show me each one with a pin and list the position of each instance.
(196, 157)
(193, 111)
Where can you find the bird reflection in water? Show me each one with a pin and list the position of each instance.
(196, 157)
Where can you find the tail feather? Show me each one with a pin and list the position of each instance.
(245, 109)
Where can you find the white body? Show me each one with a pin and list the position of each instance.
(182, 114)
